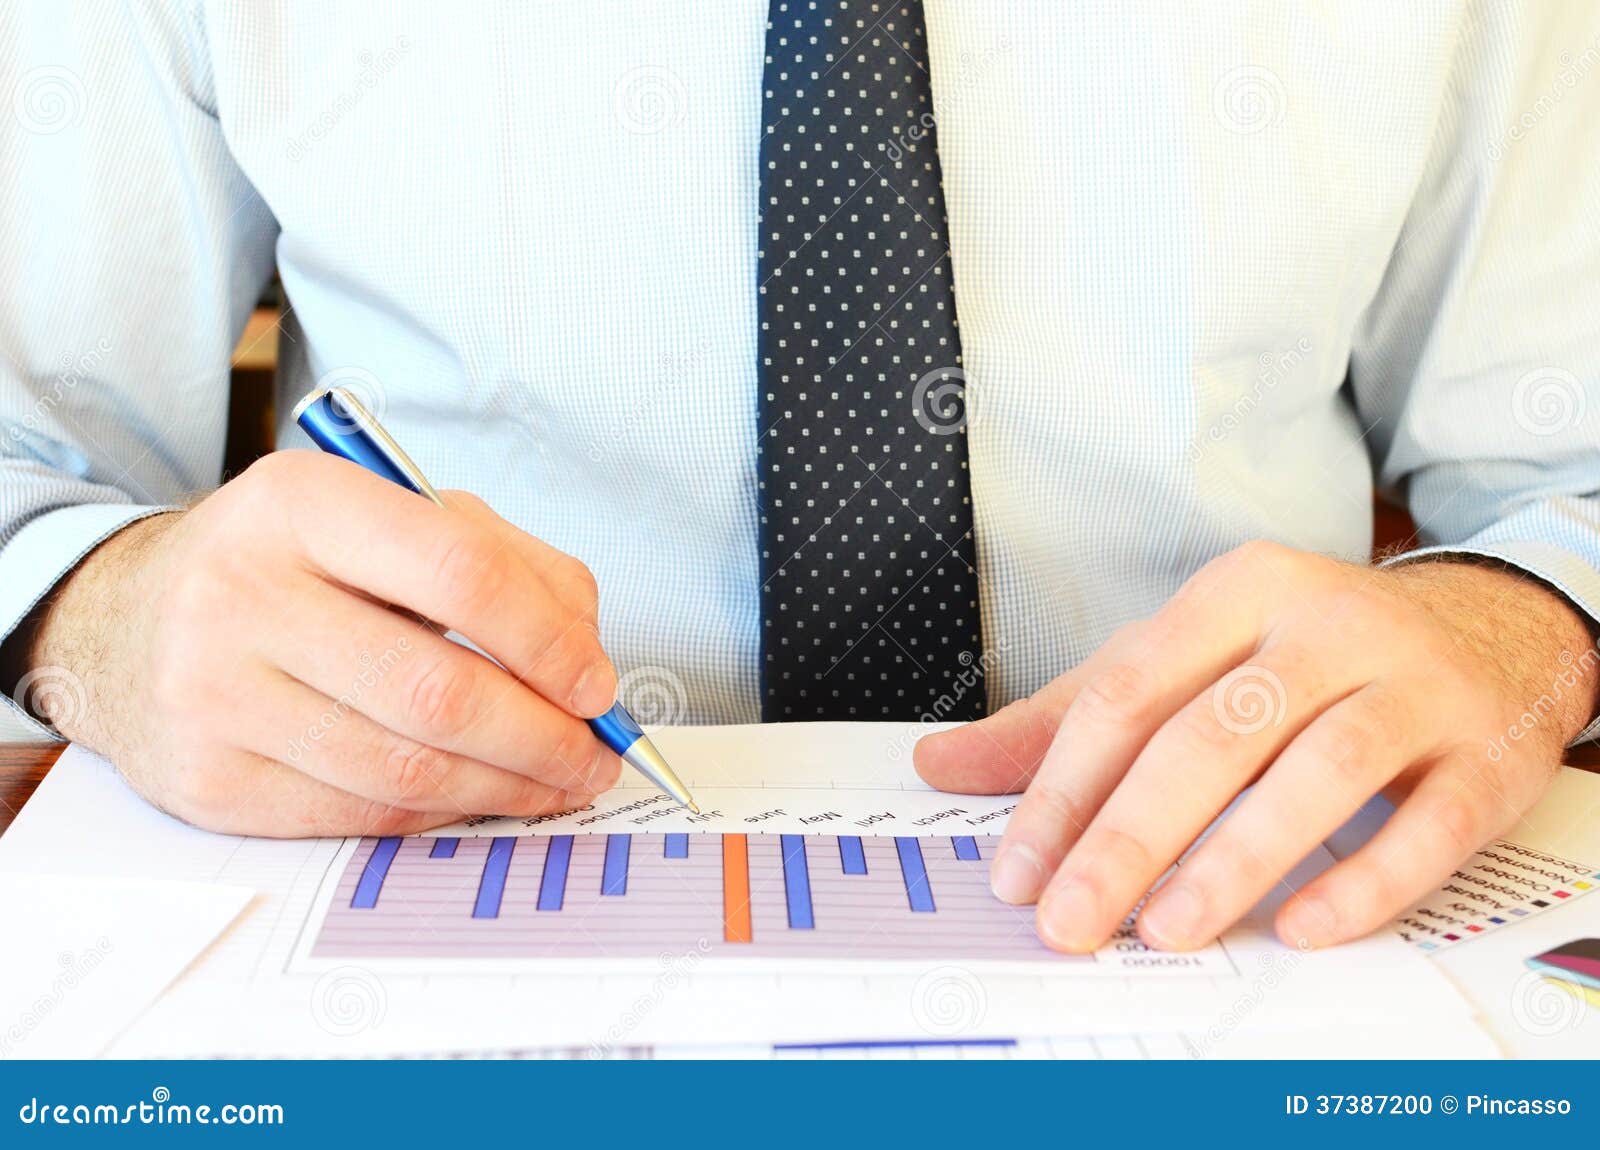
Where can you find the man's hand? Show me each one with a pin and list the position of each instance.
(260, 664)
(1452, 687)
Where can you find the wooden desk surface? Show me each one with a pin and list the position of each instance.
(22, 769)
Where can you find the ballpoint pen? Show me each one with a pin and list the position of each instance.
(339, 423)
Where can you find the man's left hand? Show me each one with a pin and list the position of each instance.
(1452, 687)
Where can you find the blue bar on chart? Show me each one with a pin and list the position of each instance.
(677, 847)
(373, 874)
(851, 856)
(966, 847)
(797, 882)
(444, 848)
(492, 886)
(915, 872)
(614, 879)
(553, 886)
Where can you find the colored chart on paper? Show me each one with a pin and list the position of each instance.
(1500, 884)
(642, 895)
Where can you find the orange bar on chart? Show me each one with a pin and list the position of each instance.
(736, 888)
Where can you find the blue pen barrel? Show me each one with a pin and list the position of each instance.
(616, 728)
(337, 432)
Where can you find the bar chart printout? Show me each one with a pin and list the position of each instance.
(638, 895)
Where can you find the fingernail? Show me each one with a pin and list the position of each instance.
(1067, 917)
(1017, 874)
(1173, 918)
(596, 690)
(1309, 921)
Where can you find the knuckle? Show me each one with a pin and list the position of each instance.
(1121, 851)
(577, 578)
(471, 576)
(572, 753)
(561, 658)
(271, 470)
(1463, 821)
(1196, 731)
(380, 818)
(1344, 752)
(412, 770)
(1371, 892)
(1125, 695)
(443, 697)
(1058, 803)
(1228, 863)
(204, 797)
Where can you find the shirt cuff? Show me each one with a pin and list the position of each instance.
(1559, 568)
(36, 559)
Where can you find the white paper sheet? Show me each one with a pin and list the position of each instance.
(1530, 1016)
(83, 958)
(1452, 1038)
(245, 997)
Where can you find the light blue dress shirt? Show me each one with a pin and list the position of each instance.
(1219, 268)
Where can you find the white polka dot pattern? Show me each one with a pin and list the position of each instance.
(869, 582)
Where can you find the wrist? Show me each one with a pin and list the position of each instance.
(85, 627)
(1538, 647)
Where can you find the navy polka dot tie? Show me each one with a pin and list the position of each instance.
(869, 589)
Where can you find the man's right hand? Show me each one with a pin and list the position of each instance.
(256, 664)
